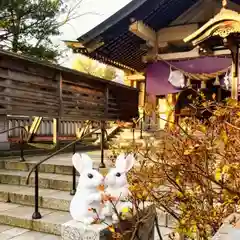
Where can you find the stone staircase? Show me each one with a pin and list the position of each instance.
(17, 198)
(55, 183)
(124, 137)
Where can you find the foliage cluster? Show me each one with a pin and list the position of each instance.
(90, 66)
(28, 26)
(192, 172)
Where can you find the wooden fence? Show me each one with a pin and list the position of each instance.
(35, 88)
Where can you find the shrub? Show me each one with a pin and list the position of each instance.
(192, 172)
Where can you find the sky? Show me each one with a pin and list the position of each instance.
(90, 14)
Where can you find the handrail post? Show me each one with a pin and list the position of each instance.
(149, 123)
(36, 214)
(73, 191)
(103, 126)
(141, 128)
(133, 131)
(102, 164)
(22, 159)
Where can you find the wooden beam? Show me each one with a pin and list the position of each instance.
(191, 54)
(136, 77)
(182, 55)
(73, 44)
(143, 31)
(164, 36)
(176, 33)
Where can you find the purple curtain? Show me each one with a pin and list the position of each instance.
(158, 73)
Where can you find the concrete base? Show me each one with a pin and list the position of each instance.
(73, 230)
(4, 144)
(227, 231)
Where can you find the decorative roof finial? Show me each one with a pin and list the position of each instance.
(224, 3)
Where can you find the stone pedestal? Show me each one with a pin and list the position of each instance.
(73, 230)
(4, 144)
(228, 231)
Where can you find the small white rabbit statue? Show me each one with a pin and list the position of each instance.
(117, 185)
(87, 196)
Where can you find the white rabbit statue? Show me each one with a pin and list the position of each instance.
(117, 186)
(87, 196)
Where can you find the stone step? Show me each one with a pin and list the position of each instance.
(40, 151)
(24, 195)
(58, 168)
(137, 134)
(15, 233)
(60, 164)
(46, 180)
(21, 216)
(127, 138)
(127, 143)
(127, 130)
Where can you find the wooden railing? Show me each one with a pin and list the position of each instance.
(68, 129)
(35, 88)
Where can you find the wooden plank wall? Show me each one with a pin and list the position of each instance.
(30, 88)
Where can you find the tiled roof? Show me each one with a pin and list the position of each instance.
(116, 44)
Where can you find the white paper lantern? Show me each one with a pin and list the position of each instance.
(176, 78)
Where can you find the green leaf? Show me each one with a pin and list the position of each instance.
(29, 26)
(218, 174)
(224, 136)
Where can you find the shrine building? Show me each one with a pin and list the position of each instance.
(164, 48)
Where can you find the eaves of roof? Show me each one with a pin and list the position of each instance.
(119, 45)
(111, 21)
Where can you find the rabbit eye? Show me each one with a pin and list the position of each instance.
(90, 175)
(118, 174)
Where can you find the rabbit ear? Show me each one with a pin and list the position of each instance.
(125, 164)
(82, 162)
(120, 161)
(130, 160)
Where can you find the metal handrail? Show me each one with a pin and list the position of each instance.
(138, 120)
(21, 139)
(134, 127)
(36, 214)
(58, 151)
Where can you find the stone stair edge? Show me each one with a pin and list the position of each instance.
(56, 166)
(15, 233)
(46, 180)
(24, 195)
(21, 216)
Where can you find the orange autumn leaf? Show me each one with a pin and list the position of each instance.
(111, 229)
(100, 187)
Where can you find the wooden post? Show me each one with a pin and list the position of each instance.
(235, 62)
(103, 128)
(134, 83)
(102, 164)
(162, 112)
(142, 94)
(106, 102)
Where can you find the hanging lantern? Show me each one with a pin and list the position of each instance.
(176, 78)
(217, 81)
(203, 84)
